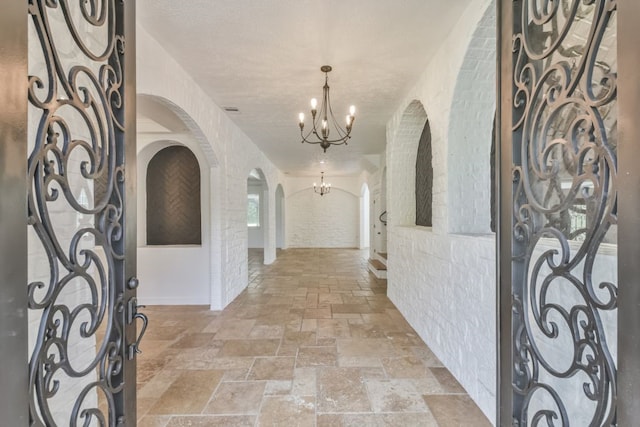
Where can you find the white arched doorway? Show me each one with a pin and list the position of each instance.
(162, 126)
(280, 218)
(257, 212)
(365, 213)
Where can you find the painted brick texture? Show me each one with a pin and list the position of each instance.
(444, 282)
(329, 221)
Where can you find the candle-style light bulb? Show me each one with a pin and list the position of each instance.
(348, 120)
(314, 103)
(352, 110)
(301, 117)
(324, 124)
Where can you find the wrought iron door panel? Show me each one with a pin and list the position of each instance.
(76, 212)
(563, 212)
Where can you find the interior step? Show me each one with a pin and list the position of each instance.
(377, 264)
(382, 254)
(378, 268)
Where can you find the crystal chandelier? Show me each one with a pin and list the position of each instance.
(324, 188)
(322, 121)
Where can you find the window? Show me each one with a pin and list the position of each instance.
(253, 210)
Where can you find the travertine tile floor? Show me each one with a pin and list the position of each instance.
(313, 341)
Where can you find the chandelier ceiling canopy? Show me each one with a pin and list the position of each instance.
(323, 121)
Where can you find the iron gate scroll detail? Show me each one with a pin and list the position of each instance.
(564, 148)
(76, 164)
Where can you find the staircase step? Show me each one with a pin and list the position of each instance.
(382, 254)
(377, 264)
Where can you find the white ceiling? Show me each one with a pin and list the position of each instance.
(264, 57)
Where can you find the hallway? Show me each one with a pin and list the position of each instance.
(313, 341)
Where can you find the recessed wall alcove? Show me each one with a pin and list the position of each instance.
(173, 198)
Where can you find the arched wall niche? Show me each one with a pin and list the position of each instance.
(174, 214)
(424, 179)
(402, 184)
(162, 124)
(470, 133)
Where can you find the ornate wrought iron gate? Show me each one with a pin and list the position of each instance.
(568, 213)
(68, 273)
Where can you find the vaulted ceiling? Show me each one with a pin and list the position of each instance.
(263, 57)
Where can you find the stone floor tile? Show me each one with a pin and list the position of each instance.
(347, 420)
(341, 390)
(245, 348)
(448, 381)
(276, 387)
(267, 331)
(272, 368)
(333, 328)
(359, 362)
(194, 341)
(155, 387)
(236, 398)
(317, 313)
(288, 411)
(405, 367)
(188, 394)
(368, 347)
(364, 330)
(395, 396)
(154, 421)
(297, 336)
(212, 421)
(455, 411)
(316, 356)
(425, 419)
(300, 338)
(304, 382)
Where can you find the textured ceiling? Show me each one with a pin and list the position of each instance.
(264, 57)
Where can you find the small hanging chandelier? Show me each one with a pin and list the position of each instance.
(324, 120)
(324, 188)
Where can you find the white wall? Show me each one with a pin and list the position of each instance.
(256, 234)
(329, 221)
(233, 155)
(173, 274)
(443, 283)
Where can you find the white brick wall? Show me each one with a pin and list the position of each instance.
(443, 283)
(329, 221)
(232, 155)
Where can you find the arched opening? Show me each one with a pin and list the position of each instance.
(257, 213)
(173, 198)
(424, 179)
(280, 218)
(365, 212)
(402, 198)
(470, 133)
(163, 262)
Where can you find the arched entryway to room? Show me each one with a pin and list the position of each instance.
(280, 218)
(365, 216)
(171, 271)
(257, 215)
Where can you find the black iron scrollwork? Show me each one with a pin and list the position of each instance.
(76, 97)
(564, 144)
